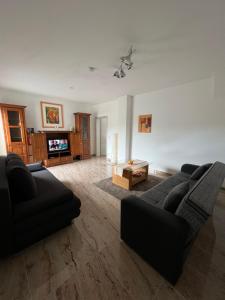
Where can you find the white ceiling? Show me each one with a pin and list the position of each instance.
(46, 46)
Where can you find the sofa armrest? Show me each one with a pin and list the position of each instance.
(35, 167)
(44, 202)
(189, 168)
(157, 235)
(6, 222)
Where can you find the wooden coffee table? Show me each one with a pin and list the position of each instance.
(126, 176)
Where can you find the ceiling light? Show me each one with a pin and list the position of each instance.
(117, 74)
(125, 61)
(122, 73)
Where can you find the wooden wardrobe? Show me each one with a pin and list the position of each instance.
(82, 128)
(14, 125)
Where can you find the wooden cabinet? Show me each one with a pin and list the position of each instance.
(54, 161)
(13, 119)
(75, 144)
(39, 146)
(41, 152)
(82, 126)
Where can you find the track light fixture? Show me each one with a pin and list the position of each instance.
(125, 62)
(120, 72)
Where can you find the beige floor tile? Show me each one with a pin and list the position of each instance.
(87, 260)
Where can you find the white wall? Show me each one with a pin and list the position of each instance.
(101, 125)
(103, 135)
(188, 122)
(188, 125)
(33, 110)
(109, 109)
(119, 122)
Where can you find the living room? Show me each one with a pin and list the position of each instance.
(112, 149)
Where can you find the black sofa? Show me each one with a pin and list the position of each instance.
(164, 237)
(33, 204)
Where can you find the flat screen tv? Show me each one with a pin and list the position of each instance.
(57, 145)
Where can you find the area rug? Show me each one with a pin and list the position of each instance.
(120, 193)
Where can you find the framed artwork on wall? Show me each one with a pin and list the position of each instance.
(145, 123)
(52, 115)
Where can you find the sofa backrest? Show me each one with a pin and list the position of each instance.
(198, 204)
(5, 210)
(22, 186)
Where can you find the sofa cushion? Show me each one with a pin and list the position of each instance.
(34, 167)
(22, 186)
(168, 184)
(156, 195)
(47, 183)
(175, 196)
(44, 203)
(14, 156)
(197, 174)
(51, 193)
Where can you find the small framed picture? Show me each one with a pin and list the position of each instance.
(52, 115)
(145, 123)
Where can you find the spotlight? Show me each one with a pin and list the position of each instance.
(117, 74)
(125, 61)
(122, 73)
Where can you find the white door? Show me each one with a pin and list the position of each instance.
(98, 136)
(101, 136)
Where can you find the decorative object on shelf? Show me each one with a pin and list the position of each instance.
(125, 61)
(145, 123)
(52, 115)
(30, 130)
(130, 162)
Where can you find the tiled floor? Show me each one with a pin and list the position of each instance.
(87, 260)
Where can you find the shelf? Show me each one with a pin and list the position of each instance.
(53, 161)
(59, 154)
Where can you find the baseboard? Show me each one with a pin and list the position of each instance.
(161, 173)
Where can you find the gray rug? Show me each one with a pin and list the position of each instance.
(120, 193)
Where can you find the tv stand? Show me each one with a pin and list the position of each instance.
(39, 149)
(58, 158)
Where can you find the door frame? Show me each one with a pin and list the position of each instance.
(98, 134)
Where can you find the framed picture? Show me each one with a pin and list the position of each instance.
(145, 123)
(52, 115)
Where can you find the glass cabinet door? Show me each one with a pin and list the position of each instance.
(15, 134)
(13, 118)
(14, 125)
(84, 127)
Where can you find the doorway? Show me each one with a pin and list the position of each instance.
(101, 136)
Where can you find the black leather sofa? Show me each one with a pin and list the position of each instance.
(33, 204)
(162, 237)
